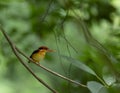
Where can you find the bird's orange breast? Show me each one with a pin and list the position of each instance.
(37, 57)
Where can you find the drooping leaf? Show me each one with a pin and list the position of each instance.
(80, 65)
(96, 87)
(84, 67)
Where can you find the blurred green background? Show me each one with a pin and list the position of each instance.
(59, 25)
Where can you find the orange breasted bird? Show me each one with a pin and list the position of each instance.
(40, 53)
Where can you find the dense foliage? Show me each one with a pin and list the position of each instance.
(84, 33)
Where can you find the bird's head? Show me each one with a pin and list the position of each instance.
(45, 49)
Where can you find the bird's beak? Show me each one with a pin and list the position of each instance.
(49, 50)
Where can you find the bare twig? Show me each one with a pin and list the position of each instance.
(23, 63)
(52, 72)
(47, 11)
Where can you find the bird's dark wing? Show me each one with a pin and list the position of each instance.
(33, 53)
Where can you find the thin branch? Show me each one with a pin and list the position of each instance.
(57, 41)
(47, 10)
(52, 72)
(23, 63)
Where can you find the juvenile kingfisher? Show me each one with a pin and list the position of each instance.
(39, 54)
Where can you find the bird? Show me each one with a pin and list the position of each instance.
(39, 54)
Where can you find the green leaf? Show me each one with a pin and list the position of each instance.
(84, 67)
(96, 87)
(80, 65)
